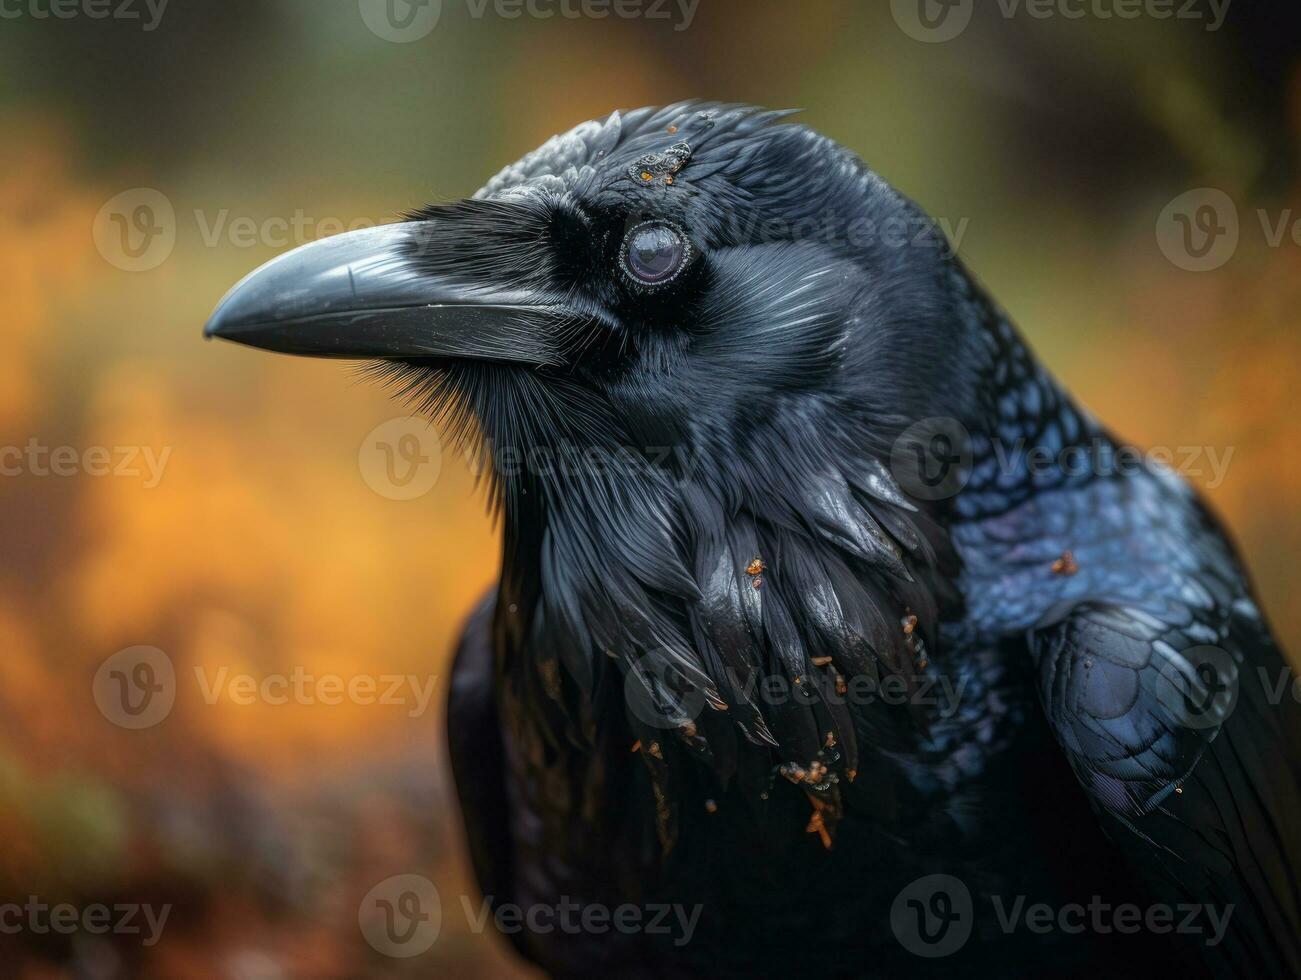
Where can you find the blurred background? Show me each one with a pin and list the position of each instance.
(222, 517)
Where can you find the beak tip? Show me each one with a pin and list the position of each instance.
(227, 320)
(219, 320)
(216, 328)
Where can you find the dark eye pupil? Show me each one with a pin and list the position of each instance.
(655, 253)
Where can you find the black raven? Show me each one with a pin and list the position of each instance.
(831, 634)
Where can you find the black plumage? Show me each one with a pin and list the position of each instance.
(714, 672)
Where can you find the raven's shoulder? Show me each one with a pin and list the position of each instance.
(1172, 723)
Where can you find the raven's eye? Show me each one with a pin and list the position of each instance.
(654, 253)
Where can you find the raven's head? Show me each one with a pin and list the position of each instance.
(696, 333)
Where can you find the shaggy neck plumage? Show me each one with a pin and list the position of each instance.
(673, 595)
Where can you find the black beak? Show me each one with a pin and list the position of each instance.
(372, 294)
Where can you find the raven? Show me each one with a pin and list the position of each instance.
(831, 634)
